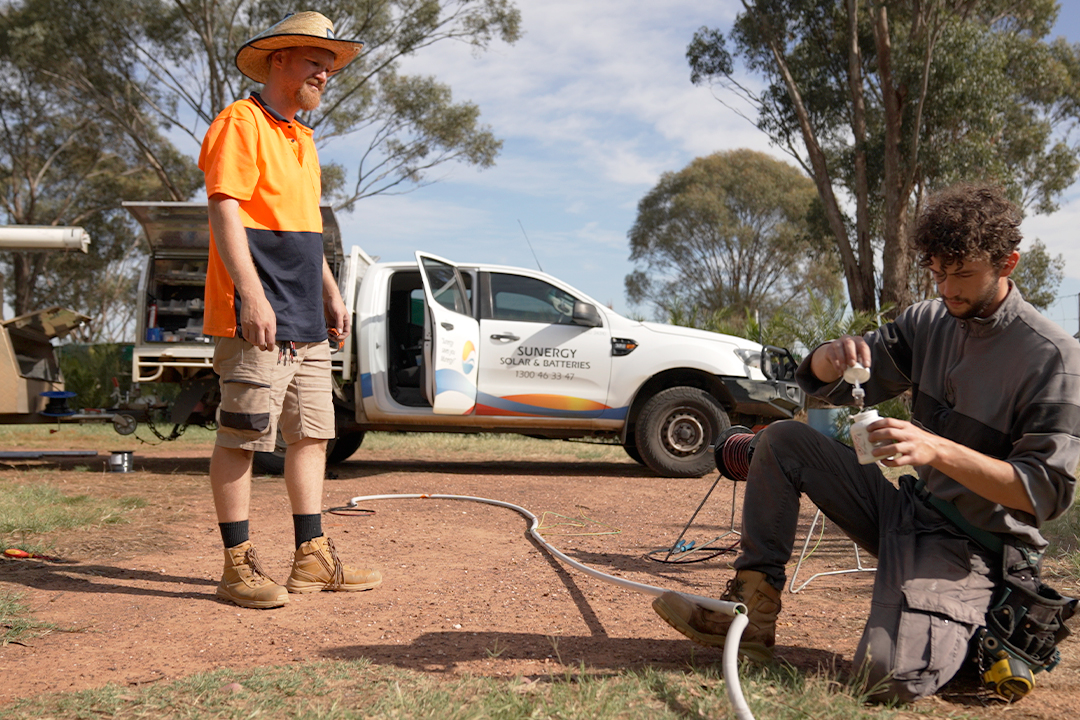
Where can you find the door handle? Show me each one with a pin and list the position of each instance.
(505, 336)
(447, 326)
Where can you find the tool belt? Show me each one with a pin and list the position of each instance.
(1026, 618)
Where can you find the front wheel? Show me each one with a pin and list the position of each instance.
(632, 451)
(675, 429)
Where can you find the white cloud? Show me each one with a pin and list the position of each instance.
(1059, 232)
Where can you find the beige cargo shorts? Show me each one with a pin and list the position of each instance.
(262, 390)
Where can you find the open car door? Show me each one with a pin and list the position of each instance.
(451, 339)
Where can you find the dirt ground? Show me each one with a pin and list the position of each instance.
(465, 589)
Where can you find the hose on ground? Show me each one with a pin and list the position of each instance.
(737, 611)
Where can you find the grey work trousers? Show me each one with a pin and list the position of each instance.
(933, 584)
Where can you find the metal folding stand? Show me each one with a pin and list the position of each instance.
(681, 551)
(802, 556)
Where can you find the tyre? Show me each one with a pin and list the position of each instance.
(632, 451)
(674, 431)
(342, 447)
(270, 463)
(337, 450)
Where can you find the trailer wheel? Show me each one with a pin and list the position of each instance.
(675, 429)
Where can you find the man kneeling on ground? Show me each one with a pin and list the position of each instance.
(995, 391)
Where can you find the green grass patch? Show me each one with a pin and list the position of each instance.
(499, 446)
(36, 507)
(357, 689)
(16, 622)
(99, 436)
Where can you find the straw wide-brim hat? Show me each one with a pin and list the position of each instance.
(303, 29)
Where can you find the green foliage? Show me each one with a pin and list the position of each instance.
(67, 158)
(825, 317)
(93, 93)
(89, 371)
(1038, 275)
(399, 126)
(884, 103)
(729, 232)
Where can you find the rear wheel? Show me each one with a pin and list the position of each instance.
(674, 431)
(342, 447)
(270, 463)
(337, 450)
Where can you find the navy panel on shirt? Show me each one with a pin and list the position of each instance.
(290, 265)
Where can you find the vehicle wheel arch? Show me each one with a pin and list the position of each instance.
(685, 377)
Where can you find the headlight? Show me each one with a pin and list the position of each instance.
(752, 358)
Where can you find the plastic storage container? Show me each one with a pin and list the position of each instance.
(860, 436)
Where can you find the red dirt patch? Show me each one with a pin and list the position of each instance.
(465, 589)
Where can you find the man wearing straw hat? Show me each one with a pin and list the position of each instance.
(270, 301)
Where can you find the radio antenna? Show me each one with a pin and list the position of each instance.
(530, 245)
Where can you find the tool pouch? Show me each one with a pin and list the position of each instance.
(1026, 616)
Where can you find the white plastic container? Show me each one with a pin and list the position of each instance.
(860, 436)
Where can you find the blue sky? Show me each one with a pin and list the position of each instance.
(593, 104)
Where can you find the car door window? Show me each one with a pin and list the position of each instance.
(526, 299)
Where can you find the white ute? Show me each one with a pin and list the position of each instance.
(440, 346)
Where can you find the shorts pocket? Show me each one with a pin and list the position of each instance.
(245, 406)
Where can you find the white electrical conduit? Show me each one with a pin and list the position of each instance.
(737, 611)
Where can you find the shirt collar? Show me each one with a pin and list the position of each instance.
(1009, 309)
(257, 98)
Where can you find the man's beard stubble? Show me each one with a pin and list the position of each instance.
(308, 97)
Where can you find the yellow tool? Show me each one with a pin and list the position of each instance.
(1009, 677)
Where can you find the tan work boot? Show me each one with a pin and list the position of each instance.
(316, 567)
(245, 583)
(710, 628)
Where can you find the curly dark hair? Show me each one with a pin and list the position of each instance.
(967, 222)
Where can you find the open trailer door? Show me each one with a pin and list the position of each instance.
(451, 339)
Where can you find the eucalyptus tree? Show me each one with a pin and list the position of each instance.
(388, 129)
(883, 101)
(108, 100)
(728, 233)
(64, 162)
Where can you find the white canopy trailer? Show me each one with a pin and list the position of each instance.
(31, 385)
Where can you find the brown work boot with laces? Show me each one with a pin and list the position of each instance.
(245, 582)
(316, 567)
(710, 628)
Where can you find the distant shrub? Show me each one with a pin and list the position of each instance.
(89, 371)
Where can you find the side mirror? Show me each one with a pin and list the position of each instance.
(586, 315)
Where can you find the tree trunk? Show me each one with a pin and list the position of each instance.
(859, 276)
(895, 260)
(863, 244)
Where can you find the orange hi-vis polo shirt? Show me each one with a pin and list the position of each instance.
(269, 164)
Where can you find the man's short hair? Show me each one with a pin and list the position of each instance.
(967, 222)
